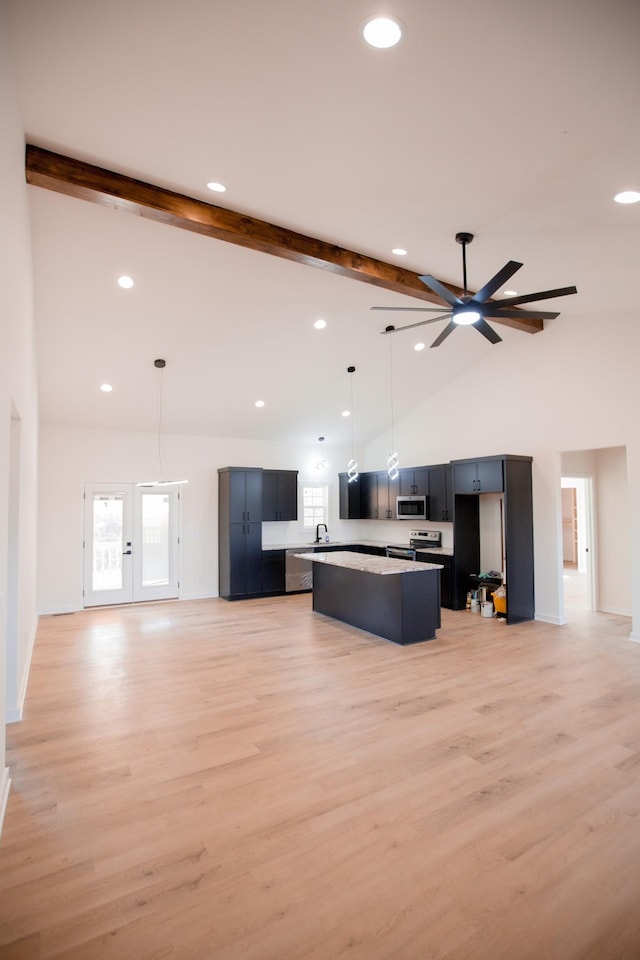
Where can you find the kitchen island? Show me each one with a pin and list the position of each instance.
(392, 598)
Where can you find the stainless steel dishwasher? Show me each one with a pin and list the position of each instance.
(298, 574)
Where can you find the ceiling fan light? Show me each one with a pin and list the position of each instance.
(465, 317)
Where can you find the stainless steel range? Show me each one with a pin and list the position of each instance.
(418, 539)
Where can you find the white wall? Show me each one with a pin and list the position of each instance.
(614, 545)
(528, 397)
(69, 458)
(18, 417)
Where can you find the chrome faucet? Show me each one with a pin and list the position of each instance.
(318, 539)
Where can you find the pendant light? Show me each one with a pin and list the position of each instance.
(352, 467)
(161, 482)
(392, 460)
(321, 462)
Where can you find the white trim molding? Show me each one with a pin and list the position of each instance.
(14, 714)
(548, 618)
(5, 786)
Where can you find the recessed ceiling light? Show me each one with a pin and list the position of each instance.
(346, 413)
(125, 282)
(382, 32)
(511, 293)
(399, 252)
(216, 187)
(320, 324)
(419, 346)
(106, 387)
(627, 196)
(259, 403)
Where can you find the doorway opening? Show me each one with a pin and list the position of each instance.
(577, 543)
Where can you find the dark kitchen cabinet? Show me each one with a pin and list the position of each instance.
(273, 571)
(371, 551)
(239, 532)
(279, 495)
(350, 497)
(414, 481)
(379, 494)
(446, 575)
(369, 496)
(518, 537)
(440, 493)
(478, 476)
(387, 493)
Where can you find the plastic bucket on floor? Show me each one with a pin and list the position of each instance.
(486, 608)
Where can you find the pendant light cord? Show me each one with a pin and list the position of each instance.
(391, 388)
(160, 425)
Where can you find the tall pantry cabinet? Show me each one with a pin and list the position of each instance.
(240, 531)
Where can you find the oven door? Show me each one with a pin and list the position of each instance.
(402, 553)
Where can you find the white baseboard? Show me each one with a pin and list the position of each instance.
(198, 596)
(549, 618)
(618, 611)
(58, 611)
(5, 786)
(14, 714)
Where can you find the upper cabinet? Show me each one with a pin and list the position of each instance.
(279, 495)
(414, 481)
(440, 493)
(243, 491)
(350, 497)
(478, 476)
(379, 494)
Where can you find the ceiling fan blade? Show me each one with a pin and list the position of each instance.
(492, 285)
(450, 327)
(517, 314)
(530, 297)
(441, 290)
(420, 323)
(487, 331)
(411, 309)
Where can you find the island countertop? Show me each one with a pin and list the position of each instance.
(369, 564)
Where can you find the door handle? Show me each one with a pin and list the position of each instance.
(126, 553)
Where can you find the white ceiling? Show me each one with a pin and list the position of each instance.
(516, 121)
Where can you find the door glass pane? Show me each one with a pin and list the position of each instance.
(155, 539)
(108, 535)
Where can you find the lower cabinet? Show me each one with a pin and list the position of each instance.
(242, 573)
(372, 551)
(446, 576)
(273, 571)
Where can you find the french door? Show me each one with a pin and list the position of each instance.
(131, 543)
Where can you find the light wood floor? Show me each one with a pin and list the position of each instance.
(250, 781)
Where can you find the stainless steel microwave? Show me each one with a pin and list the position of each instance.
(411, 508)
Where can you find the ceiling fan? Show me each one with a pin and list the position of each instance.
(473, 309)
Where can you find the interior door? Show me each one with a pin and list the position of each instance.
(131, 543)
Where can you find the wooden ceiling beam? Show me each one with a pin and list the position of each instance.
(75, 178)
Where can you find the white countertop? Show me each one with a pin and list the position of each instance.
(310, 545)
(443, 551)
(368, 564)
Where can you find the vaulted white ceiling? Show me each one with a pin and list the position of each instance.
(513, 120)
